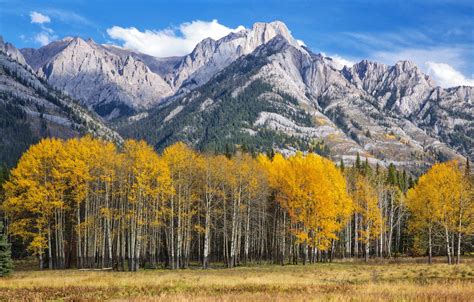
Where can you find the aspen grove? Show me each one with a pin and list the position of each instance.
(87, 203)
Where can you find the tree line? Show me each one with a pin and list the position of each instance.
(87, 203)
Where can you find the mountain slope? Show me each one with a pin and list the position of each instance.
(283, 97)
(112, 84)
(30, 109)
(404, 91)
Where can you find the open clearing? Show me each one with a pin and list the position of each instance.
(340, 281)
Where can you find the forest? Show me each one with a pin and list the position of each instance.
(87, 203)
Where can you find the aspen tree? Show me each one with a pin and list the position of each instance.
(443, 196)
(33, 194)
(366, 202)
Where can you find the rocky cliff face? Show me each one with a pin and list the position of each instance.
(111, 84)
(400, 88)
(210, 57)
(10, 51)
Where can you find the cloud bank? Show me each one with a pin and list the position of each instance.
(43, 38)
(446, 75)
(172, 41)
(441, 63)
(39, 18)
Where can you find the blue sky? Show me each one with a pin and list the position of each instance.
(438, 35)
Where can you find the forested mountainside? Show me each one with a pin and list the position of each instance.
(283, 97)
(30, 109)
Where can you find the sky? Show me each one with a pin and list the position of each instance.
(438, 35)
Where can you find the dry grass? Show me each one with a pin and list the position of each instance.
(341, 281)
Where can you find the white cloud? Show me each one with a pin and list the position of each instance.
(300, 42)
(441, 63)
(47, 34)
(446, 76)
(340, 62)
(68, 17)
(170, 42)
(39, 18)
(44, 38)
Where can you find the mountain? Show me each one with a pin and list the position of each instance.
(210, 56)
(109, 82)
(31, 109)
(117, 82)
(260, 89)
(283, 96)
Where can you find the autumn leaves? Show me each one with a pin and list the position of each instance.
(86, 203)
(442, 206)
(312, 190)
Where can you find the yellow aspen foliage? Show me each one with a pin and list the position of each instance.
(313, 191)
(88, 203)
(33, 193)
(366, 204)
(186, 168)
(443, 197)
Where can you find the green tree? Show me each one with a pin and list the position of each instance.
(6, 264)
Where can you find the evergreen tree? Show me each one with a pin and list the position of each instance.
(271, 153)
(411, 182)
(392, 175)
(6, 264)
(403, 181)
(367, 170)
(341, 165)
(468, 167)
(357, 163)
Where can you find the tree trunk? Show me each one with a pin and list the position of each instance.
(50, 254)
(458, 257)
(356, 237)
(430, 247)
(247, 238)
(283, 248)
(448, 248)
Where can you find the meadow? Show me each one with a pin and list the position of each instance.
(398, 280)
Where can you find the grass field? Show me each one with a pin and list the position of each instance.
(340, 281)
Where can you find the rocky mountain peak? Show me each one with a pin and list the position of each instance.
(264, 32)
(210, 57)
(12, 51)
(405, 66)
(67, 39)
(392, 112)
(111, 83)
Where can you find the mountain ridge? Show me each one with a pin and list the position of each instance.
(325, 92)
(389, 113)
